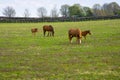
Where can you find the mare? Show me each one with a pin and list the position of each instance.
(75, 33)
(84, 33)
(48, 28)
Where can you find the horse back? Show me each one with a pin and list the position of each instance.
(34, 30)
(74, 32)
(84, 33)
(48, 28)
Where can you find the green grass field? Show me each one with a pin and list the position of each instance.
(25, 57)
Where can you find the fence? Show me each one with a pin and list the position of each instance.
(58, 19)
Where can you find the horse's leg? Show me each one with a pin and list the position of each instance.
(48, 33)
(34, 33)
(44, 33)
(70, 38)
(52, 33)
(78, 40)
(85, 37)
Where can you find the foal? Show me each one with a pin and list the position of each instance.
(84, 33)
(34, 30)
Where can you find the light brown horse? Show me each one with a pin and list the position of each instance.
(84, 33)
(48, 28)
(34, 30)
(75, 33)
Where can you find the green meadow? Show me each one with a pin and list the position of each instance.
(27, 57)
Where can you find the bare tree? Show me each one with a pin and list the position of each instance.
(107, 10)
(9, 12)
(65, 10)
(54, 12)
(26, 13)
(115, 8)
(42, 12)
(97, 10)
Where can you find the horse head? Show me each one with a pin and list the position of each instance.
(53, 33)
(89, 32)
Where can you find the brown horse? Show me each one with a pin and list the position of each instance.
(75, 33)
(48, 28)
(34, 30)
(84, 33)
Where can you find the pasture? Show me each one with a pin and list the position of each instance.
(27, 57)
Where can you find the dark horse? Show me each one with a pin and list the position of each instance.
(84, 33)
(48, 28)
(75, 33)
(34, 30)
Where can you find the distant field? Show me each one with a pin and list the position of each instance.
(25, 57)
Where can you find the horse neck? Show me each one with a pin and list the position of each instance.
(85, 33)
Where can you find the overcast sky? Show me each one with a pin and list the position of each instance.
(33, 5)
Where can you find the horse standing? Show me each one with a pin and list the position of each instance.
(34, 30)
(84, 33)
(48, 28)
(75, 33)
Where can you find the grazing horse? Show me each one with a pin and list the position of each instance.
(84, 33)
(34, 30)
(75, 33)
(48, 28)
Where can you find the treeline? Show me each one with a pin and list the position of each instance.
(57, 19)
(76, 10)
